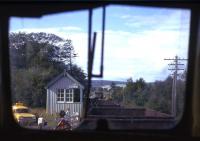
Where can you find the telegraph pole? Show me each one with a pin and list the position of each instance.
(71, 56)
(70, 61)
(176, 68)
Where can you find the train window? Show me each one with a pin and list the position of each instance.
(145, 68)
(146, 51)
(48, 60)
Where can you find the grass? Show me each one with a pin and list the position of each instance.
(51, 119)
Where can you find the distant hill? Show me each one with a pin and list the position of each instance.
(99, 83)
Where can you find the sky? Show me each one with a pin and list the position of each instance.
(137, 39)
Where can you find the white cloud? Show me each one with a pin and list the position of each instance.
(128, 54)
(71, 28)
(142, 54)
(125, 16)
(50, 29)
(175, 20)
(131, 53)
(140, 50)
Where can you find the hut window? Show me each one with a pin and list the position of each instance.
(76, 95)
(68, 95)
(60, 95)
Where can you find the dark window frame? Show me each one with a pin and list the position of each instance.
(8, 124)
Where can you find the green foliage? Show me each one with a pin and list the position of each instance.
(140, 99)
(116, 93)
(35, 59)
(160, 96)
(129, 89)
(155, 95)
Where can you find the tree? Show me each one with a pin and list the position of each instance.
(180, 97)
(77, 73)
(139, 84)
(116, 93)
(35, 59)
(112, 90)
(129, 89)
(134, 92)
(160, 95)
(183, 75)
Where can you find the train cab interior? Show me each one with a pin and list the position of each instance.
(188, 128)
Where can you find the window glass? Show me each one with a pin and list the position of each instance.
(76, 95)
(48, 57)
(60, 95)
(69, 95)
(139, 90)
(145, 67)
(21, 110)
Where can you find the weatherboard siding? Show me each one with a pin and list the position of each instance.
(55, 107)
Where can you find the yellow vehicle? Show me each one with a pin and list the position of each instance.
(22, 114)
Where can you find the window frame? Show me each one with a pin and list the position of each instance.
(60, 96)
(69, 95)
(65, 95)
(9, 125)
(183, 127)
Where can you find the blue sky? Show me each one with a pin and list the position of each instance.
(137, 39)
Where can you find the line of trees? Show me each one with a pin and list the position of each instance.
(35, 59)
(156, 95)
